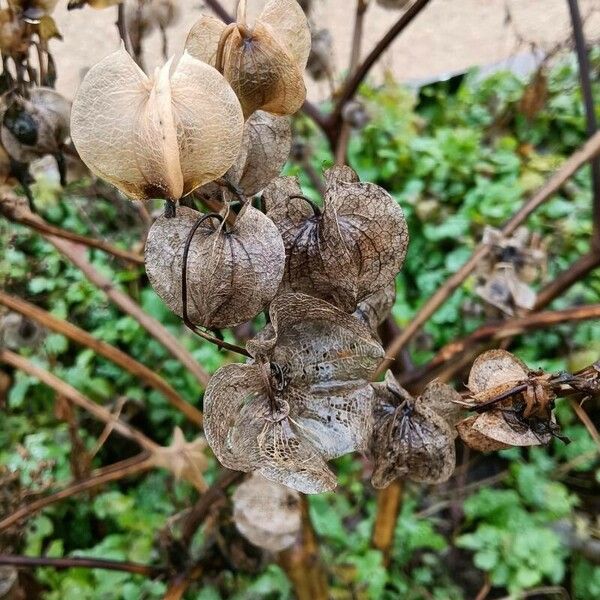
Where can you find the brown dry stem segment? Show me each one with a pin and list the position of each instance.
(587, 152)
(302, 563)
(76, 397)
(125, 468)
(110, 352)
(389, 502)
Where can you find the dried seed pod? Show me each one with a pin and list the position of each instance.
(186, 460)
(374, 309)
(445, 401)
(265, 62)
(267, 513)
(351, 249)
(18, 332)
(515, 405)
(36, 126)
(409, 438)
(14, 37)
(159, 137)
(304, 400)
(320, 59)
(232, 274)
(32, 11)
(394, 4)
(265, 149)
(355, 114)
(142, 17)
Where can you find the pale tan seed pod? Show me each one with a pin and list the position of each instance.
(263, 62)
(267, 513)
(156, 137)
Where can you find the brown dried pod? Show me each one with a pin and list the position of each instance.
(320, 59)
(36, 126)
(14, 36)
(265, 149)
(304, 400)
(409, 438)
(374, 309)
(263, 62)
(158, 137)
(232, 272)
(142, 17)
(186, 460)
(352, 248)
(267, 513)
(18, 332)
(515, 405)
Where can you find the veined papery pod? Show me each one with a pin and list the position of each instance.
(263, 62)
(505, 423)
(232, 273)
(348, 250)
(160, 136)
(266, 513)
(374, 309)
(304, 399)
(410, 439)
(265, 149)
(35, 126)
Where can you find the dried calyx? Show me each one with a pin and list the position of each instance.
(263, 62)
(413, 438)
(303, 400)
(158, 137)
(266, 513)
(232, 273)
(360, 232)
(514, 404)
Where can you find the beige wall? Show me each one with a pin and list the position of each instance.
(449, 35)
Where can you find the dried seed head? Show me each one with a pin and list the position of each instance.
(267, 513)
(349, 251)
(232, 274)
(142, 17)
(355, 114)
(156, 137)
(264, 63)
(409, 438)
(36, 126)
(305, 399)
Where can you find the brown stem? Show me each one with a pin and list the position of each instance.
(218, 9)
(103, 349)
(590, 149)
(389, 502)
(80, 562)
(585, 419)
(115, 472)
(302, 564)
(76, 397)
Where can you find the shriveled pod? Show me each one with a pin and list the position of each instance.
(374, 309)
(521, 416)
(409, 438)
(263, 62)
(36, 126)
(233, 272)
(266, 513)
(156, 137)
(348, 250)
(265, 149)
(304, 399)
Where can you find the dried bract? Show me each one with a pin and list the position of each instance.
(348, 251)
(374, 309)
(267, 513)
(515, 405)
(158, 137)
(409, 438)
(304, 400)
(263, 62)
(232, 273)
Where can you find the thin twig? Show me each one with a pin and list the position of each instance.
(76, 397)
(103, 349)
(585, 419)
(590, 149)
(131, 466)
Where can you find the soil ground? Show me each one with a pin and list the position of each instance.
(449, 36)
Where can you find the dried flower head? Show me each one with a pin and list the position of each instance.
(352, 248)
(265, 149)
(36, 126)
(158, 137)
(263, 62)
(142, 17)
(320, 59)
(410, 439)
(304, 400)
(186, 460)
(513, 263)
(266, 513)
(232, 272)
(515, 404)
